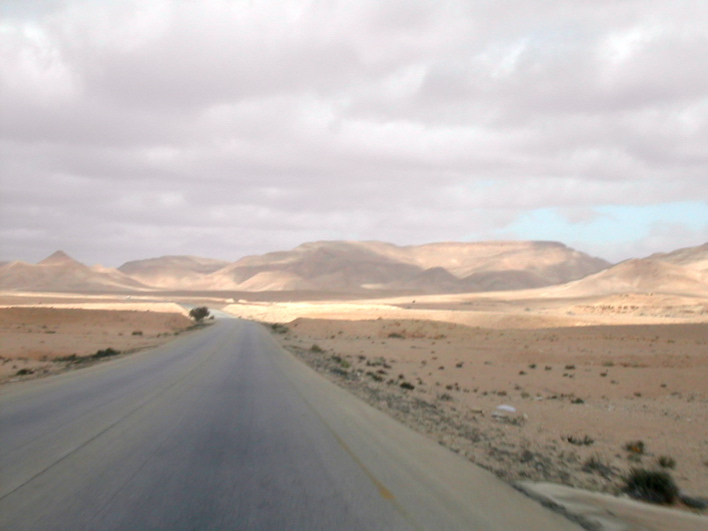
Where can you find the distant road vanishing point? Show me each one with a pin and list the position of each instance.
(221, 429)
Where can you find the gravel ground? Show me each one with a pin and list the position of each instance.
(495, 442)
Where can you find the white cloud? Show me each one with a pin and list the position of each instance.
(297, 120)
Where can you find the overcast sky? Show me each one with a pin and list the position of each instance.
(221, 128)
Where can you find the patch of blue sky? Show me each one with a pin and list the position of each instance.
(608, 223)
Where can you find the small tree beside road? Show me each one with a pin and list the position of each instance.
(199, 313)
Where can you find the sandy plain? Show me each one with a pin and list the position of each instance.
(577, 377)
(610, 369)
(38, 339)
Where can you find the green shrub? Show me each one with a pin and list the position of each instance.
(316, 348)
(651, 486)
(105, 353)
(199, 313)
(344, 363)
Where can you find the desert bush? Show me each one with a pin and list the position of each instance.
(635, 447)
(199, 313)
(279, 328)
(407, 385)
(344, 363)
(395, 335)
(316, 349)
(374, 376)
(595, 463)
(665, 461)
(651, 485)
(24, 372)
(577, 401)
(577, 441)
(105, 353)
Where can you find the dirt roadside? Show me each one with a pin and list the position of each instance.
(562, 410)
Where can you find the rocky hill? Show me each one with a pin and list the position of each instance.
(681, 271)
(695, 258)
(171, 271)
(433, 268)
(60, 272)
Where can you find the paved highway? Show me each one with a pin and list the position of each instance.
(221, 429)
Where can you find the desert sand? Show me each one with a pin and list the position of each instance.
(38, 340)
(536, 385)
(577, 378)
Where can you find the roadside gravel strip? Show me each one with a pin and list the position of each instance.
(484, 440)
(466, 432)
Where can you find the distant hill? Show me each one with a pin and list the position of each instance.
(60, 272)
(171, 271)
(432, 268)
(361, 267)
(681, 271)
(695, 258)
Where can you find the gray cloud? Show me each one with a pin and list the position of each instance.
(223, 128)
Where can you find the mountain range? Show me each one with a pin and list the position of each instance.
(361, 267)
(681, 271)
(60, 272)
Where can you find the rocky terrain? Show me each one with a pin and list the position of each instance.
(574, 406)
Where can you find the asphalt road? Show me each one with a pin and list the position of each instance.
(223, 430)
